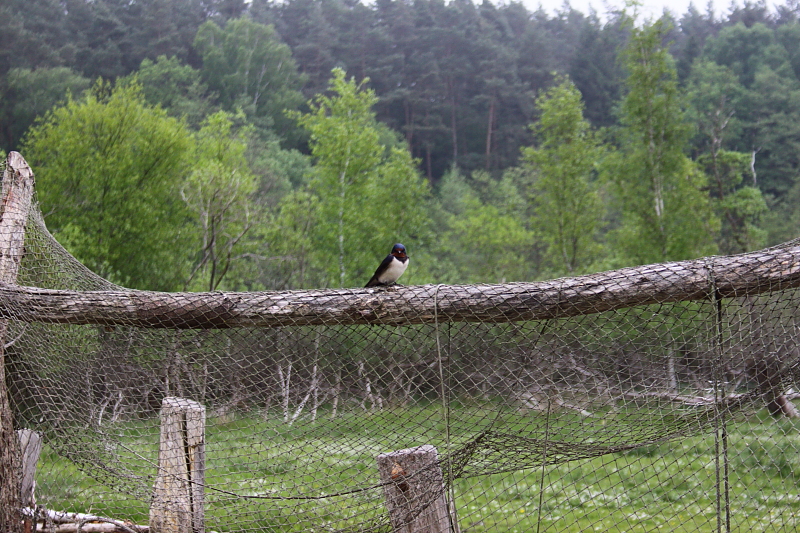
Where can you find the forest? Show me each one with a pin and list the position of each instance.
(265, 145)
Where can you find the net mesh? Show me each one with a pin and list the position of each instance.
(673, 415)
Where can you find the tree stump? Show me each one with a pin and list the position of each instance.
(177, 504)
(413, 486)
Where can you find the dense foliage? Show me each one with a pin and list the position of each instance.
(550, 144)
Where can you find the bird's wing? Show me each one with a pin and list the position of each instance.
(380, 270)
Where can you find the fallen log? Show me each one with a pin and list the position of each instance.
(69, 522)
(95, 527)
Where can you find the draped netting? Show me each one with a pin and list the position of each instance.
(632, 400)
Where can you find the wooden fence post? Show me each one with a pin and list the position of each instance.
(413, 486)
(30, 444)
(177, 505)
(17, 191)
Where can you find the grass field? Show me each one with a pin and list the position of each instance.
(671, 486)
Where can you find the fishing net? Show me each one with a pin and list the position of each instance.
(644, 399)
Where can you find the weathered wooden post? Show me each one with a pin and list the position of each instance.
(413, 486)
(177, 505)
(30, 444)
(17, 192)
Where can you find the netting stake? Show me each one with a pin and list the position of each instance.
(720, 424)
(30, 443)
(544, 467)
(450, 492)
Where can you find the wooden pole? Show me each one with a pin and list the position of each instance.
(177, 505)
(771, 269)
(413, 487)
(17, 192)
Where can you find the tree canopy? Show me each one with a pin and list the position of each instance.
(285, 144)
(108, 169)
(369, 192)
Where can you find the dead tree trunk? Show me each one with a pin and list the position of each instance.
(16, 201)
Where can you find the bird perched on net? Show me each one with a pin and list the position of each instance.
(390, 268)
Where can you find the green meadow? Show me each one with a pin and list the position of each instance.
(266, 475)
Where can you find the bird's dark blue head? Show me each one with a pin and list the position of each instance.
(399, 251)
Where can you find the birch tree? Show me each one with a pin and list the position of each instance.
(664, 213)
(370, 194)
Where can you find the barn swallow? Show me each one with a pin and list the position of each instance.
(390, 268)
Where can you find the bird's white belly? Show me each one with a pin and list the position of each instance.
(395, 270)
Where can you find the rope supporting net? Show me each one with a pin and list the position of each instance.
(674, 414)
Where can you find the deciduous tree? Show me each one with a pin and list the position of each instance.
(249, 67)
(176, 87)
(370, 195)
(715, 95)
(108, 170)
(220, 191)
(664, 213)
(568, 210)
